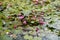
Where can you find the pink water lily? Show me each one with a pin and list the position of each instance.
(35, 0)
(25, 22)
(41, 23)
(21, 17)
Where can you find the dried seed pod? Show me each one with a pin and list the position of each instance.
(1, 3)
(15, 26)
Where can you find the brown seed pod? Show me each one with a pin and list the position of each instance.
(0, 3)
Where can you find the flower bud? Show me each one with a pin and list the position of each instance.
(15, 26)
(24, 22)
